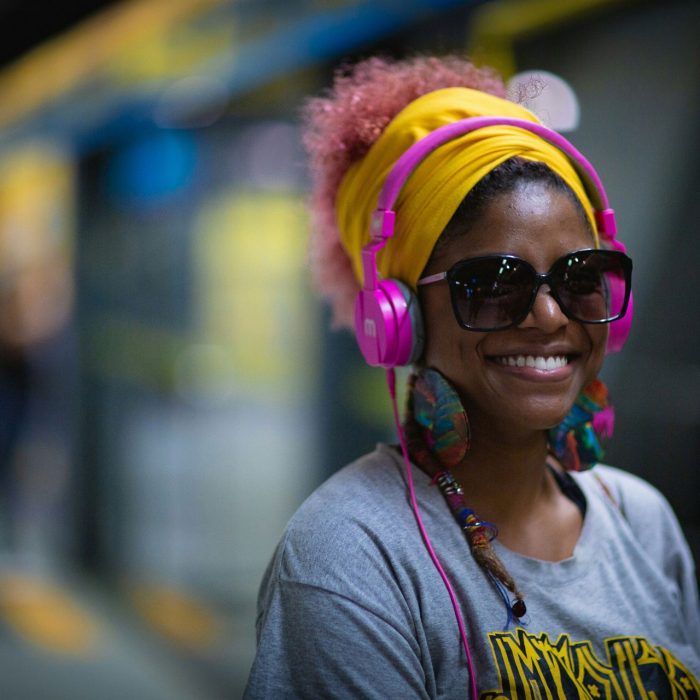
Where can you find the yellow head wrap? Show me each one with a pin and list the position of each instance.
(441, 181)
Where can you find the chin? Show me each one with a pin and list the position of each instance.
(539, 417)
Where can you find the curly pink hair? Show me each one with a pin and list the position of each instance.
(340, 128)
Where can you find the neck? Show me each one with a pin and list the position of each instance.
(504, 476)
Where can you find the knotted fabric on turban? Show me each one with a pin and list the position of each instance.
(441, 181)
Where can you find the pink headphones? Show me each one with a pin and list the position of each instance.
(388, 323)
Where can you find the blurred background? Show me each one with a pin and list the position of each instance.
(169, 391)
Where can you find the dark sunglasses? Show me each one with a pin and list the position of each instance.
(494, 292)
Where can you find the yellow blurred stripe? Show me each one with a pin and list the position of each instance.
(45, 615)
(62, 63)
(175, 615)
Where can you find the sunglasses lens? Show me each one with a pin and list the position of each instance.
(491, 293)
(592, 285)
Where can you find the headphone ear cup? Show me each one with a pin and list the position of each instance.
(388, 325)
(620, 329)
(415, 322)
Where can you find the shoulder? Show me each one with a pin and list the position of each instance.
(339, 580)
(368, 477)
(641, 507)
(354, 522)
(634, 497)
(351, 545)
(369, 490)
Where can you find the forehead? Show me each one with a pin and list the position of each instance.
(534, 221)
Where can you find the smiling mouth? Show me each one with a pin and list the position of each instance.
(548, 363)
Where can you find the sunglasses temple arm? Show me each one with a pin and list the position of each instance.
(430, 279)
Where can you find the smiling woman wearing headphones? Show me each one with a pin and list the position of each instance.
(489, 552)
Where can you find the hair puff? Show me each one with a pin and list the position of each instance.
(341, 126)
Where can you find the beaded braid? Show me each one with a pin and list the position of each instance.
(421, 446)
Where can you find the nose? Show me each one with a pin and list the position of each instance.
(545, 314)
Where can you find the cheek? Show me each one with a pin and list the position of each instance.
(598, 335)
(450, 349)
(439, 329)
(440, 346)
(444, 343)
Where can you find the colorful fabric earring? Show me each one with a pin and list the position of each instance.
(437, 408)
(577, 442)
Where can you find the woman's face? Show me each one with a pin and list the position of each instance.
(539, 224)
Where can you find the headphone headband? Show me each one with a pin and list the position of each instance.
(411, 158)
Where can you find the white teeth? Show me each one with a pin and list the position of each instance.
(537, 361)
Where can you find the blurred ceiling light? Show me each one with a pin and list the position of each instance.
(550, 97)
(193, 102)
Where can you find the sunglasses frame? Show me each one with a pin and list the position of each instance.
(540, 278)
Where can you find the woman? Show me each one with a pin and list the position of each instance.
(472, 561)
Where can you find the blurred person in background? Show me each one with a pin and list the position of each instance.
(490, 550)
(36, 384)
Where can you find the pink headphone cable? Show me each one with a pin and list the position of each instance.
(391, 381)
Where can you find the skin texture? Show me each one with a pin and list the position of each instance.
(510, 409)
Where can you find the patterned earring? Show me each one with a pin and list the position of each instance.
(438, 410)
(578, 440)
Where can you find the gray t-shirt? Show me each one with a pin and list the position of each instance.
(351, 605)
